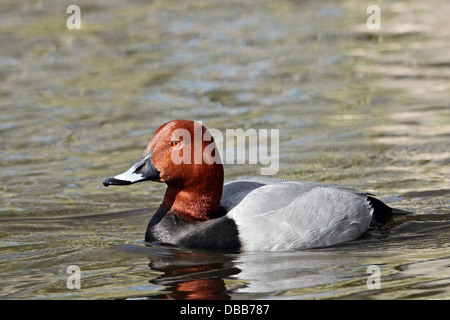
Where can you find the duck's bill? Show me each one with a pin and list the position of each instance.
(144, 170)
(128, 177)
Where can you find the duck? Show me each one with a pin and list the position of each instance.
(199, 211)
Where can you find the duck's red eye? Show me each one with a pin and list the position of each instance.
(175, 143)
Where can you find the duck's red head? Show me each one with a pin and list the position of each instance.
(182, 154)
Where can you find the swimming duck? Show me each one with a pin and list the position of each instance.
(198, 211)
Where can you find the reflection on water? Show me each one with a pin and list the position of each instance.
(193, 275)
(366, 109)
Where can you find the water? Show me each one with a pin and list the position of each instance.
(355, 107)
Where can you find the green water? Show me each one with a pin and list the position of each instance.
(361, 108)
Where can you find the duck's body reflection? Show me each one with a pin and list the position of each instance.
(188, 274)
(193, 275)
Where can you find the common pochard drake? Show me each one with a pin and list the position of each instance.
(198, 211)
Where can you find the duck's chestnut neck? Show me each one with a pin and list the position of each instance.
(198, 200)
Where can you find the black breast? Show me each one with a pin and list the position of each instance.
(216, 234)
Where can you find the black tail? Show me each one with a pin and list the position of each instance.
(382, 212)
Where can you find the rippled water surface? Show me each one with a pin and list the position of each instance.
(361, 108)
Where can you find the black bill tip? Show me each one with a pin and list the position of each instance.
(115, 182)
